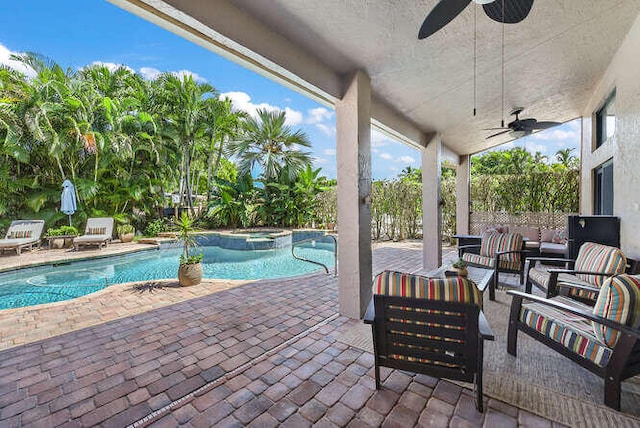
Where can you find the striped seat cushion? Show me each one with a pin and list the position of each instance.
(96, 230)
(618, 300)
(486, 261)
(540, 276)
(453, 289)
(594, 257)
(496, 242)
(572, 331)
(20, 234)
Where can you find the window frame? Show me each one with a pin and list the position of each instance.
(600, 121)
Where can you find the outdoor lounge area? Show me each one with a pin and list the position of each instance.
(400, 333)
(242, 359)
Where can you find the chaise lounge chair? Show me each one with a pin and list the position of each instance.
(22, 234)
(97, 232)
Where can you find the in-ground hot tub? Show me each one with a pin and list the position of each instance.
(249, 239)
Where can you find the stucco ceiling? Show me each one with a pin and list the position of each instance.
(552, 60)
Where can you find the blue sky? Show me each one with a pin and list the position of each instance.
(76, 33)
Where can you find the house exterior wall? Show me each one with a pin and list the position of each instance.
(623, 74)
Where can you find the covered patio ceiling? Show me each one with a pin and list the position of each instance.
(552, 60)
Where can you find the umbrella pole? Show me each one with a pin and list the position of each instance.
(69, 219)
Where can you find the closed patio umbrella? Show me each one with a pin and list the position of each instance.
(68, 199)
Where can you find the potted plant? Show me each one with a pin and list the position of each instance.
(460, 267)
(190, 270)
(126, 232)
(64, 232)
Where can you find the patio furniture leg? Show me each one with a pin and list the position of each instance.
(612, 392)
(512, 334)
(494, 285)
(479, 398)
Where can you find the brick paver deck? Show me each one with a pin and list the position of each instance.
(258, 354)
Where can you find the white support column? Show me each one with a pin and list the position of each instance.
(463, 190)
(431, 208)
(353, 123)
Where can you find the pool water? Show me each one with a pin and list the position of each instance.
(46, 284)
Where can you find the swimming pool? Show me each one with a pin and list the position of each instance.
(53, 283)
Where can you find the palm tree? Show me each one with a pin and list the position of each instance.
(183, 106)
(565, 158)
(222, 125)
(272, 146)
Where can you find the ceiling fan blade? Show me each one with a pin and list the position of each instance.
(499, 133)
(545, 125)
(524, 123)
(441, 15)
(514, 10)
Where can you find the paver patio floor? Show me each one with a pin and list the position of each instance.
(259, 354)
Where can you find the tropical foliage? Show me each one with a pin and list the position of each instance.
(514, 181)
(127, 143)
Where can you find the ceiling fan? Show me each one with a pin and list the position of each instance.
(521, 127)
(446, 10)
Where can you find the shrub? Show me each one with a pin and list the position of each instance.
(154, 227)
(62, 230)
(124, 229)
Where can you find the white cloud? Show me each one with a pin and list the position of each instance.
(326, 129)
(5, 59)
(196, 77)
(112, 66)
(318, 115)
(320, 160)
(329, 152)
(406, 159)
(378, 139)
(386, 156)
(150, 73)
(242, 101)
(294, 117)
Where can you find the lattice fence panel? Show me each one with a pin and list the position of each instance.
(541, 220)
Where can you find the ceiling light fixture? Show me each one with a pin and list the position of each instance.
(483, 1)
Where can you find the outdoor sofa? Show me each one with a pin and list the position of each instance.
(604, 338)
(22, 234)
(98, 231)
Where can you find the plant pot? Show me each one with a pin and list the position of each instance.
(126, 237)
(190, 274)
(460, 271)
(57, 243)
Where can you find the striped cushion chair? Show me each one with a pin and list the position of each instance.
(594, 264)
(426, 325)
(604, 338)
(502, 252)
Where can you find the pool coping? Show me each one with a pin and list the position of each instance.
(147, 246)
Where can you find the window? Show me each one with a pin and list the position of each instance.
(606, 120)
(603, 189)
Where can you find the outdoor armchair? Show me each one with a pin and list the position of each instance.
(22, 234)
(502, 252)
(426, 325)
(97, 232)
(603, 338)
(591, 268)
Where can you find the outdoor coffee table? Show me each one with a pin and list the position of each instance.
(483, 278)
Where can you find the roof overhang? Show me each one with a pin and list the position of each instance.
(552, 60)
